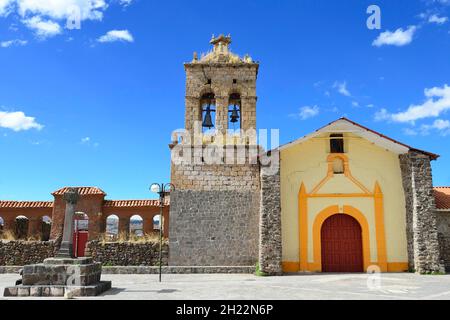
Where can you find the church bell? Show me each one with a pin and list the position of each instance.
(234, 115)
(207, 121)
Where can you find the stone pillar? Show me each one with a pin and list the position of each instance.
(192, 113)
(248, 113)
(148, 225)
(9, 224)
(270, 222)
(124, 226)
(35, 227)
(66, 250)
(222, 114)
(421, 225)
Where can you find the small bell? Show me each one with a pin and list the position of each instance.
(207, 121)
(234, 115)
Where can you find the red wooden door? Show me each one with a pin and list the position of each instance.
(341, 241)
(80, 238)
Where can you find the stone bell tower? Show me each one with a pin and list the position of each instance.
(214, 210)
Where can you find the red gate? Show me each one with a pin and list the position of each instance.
(80, 235)
(80, 238)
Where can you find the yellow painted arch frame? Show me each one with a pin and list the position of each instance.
(317, 227)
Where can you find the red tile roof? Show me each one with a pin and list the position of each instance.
(82, 191)
(442, 196)
(132, 203)
(26, 204)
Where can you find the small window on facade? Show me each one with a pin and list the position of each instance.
(337, 143)
(338, 166)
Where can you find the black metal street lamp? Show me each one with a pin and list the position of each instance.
(163, 190)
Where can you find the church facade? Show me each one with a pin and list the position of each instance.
(342, 199)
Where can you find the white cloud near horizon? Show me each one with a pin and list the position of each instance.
(397, 38)
(11, 43)
(306, 112)
(18, 121)
(116, 35)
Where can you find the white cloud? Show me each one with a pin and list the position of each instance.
(342, 88)
(15, 42)
(306, 112)
(439, 125)
(48, 16)
(85, 140)
(18, 121)
(398, 38)
(116, 35)
(63, 9)
(410, 132)
(125, 2)
(5, 7)
(437, 102)
(43, 28)
(436, 19)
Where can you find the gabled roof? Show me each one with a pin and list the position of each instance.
(81, 190)
(442, 196)
(344, 125)
(26, 204)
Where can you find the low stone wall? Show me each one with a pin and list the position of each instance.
(19, 253)
(127, 253)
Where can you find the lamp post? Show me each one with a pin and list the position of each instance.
(163, 190)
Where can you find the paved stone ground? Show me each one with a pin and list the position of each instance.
(242, 287)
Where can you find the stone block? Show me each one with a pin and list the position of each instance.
(23, 291)
(10, 292)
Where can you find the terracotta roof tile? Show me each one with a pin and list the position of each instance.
(442, 196)
(82, 191)
(26, 204)
(132, 203)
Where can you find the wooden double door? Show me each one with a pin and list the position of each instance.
(341, 244)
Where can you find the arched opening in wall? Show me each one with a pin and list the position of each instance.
(156, 222)
(208, 111)
(46, 226)
(81, 221)
(21, 227)
(112, 227)
(2, 226)
(338, 166)
(234, 114)
(136, 226)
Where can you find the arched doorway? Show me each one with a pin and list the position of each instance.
(342, 245)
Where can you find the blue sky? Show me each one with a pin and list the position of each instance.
(96, 105)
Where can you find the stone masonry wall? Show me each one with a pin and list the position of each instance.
(214, 228)
(193, 174)
(443, 222)
(127, 253)
(421, 226)
(20, 253)
(270, 242)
